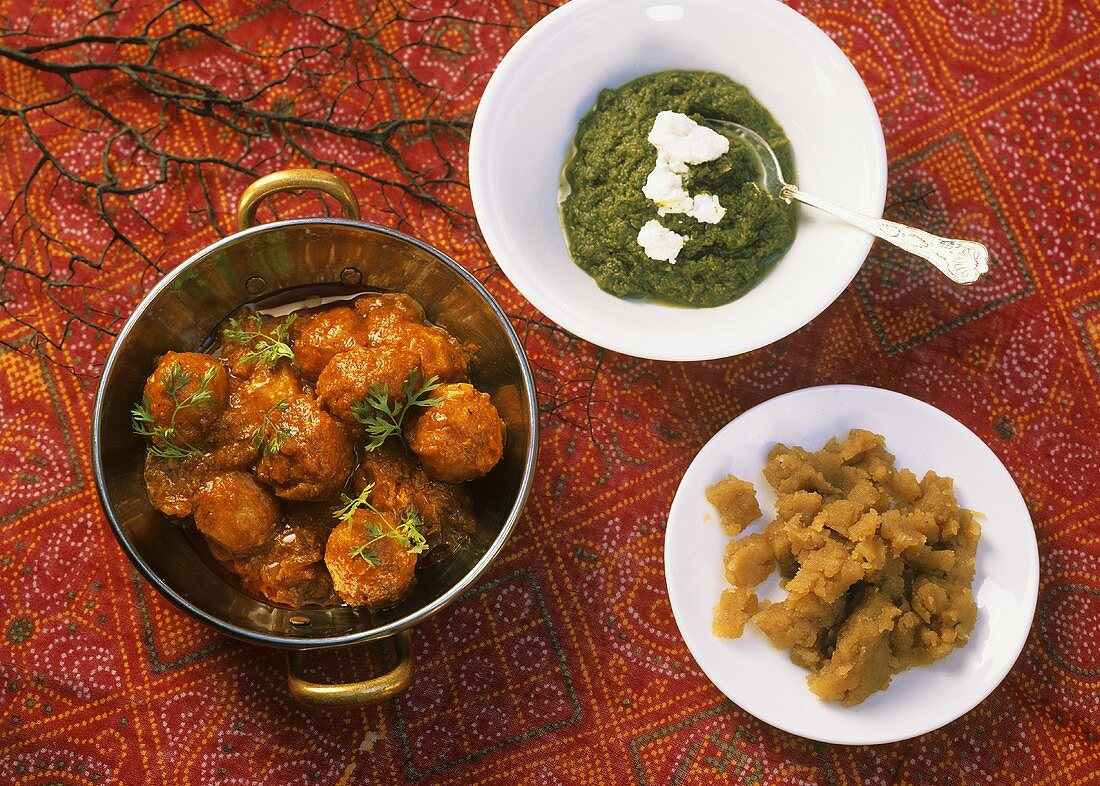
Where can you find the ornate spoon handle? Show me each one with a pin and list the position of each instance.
(962, 261)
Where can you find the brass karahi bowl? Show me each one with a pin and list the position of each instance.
(283, 260)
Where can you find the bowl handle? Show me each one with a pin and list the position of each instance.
(294, 180)
(352, 694)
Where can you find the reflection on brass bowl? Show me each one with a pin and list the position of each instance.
(287, 261)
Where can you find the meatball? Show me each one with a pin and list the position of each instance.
(459, 439)
(244, 429)
(172, 483)
(390, 473)
(399, 485)
(308, 455)
(260, 331)
(291, 570)
(389, 307)
(236, 514)
(265, 388)
(441, 354)
(396, 320)
(369, 566)
(350, 376)
(322, 335)
(186, 393)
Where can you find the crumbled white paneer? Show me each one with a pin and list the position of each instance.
(660, 243)
(666, 188)
(680, 142)
(705, 208)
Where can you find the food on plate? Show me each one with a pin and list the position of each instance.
(322, 454)
(748, 560)
(876, 565)
(658, 205)
(735, 501)
(735, 608)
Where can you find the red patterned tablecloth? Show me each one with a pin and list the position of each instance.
(127, 132)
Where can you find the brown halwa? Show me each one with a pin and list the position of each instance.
(876, 565)
(736, 502)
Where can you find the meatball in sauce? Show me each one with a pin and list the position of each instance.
(291, 569)
(314, 454)
(351, 376)
(185, 395)
(459, 439)
(319, 337)
(235, 514)
(399, 484)
(369, 563)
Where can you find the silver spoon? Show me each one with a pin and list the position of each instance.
(962, 261)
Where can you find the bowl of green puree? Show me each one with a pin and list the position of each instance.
(619, 211)
(603, 205)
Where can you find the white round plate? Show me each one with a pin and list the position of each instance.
(551, 77)
(761, 679)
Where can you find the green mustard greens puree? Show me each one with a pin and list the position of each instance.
(604, 207)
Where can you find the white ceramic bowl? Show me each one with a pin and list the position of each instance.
(761, 679)
(551, 78)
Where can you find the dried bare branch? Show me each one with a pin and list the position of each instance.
(112, 130)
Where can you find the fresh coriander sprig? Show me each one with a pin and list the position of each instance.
(407, 533)
(267, 437)
(384, 416)
(267, 349)
(165, 441)
(379, 414)
(349, 506)
(366, 553)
